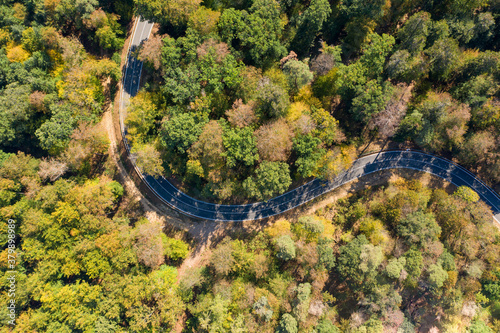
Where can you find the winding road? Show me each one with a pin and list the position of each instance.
(163, 190)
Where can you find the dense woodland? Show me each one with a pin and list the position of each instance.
(392, 259)
(244, 99)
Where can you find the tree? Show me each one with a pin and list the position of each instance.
(398, 66)
(478, 149)
(274, 141)
(370, 100)
(350, 260)
(54, 133)
(204, 20)
(258, 32)
(271, 179)
(312, 225)
(326, 326)
(263, 309)
(241, 115)
(52, 169)
(487, 115)
(443, 55)
(272, 100)
(325, 85)
(419, 228)
(298, 74)
(414, 263)
(285, 248)
(388, 120)
(309, 154)
(326, 257)
(222, 258)
(467, 194)
(14, 112)
(174, 249)
(141, 118)
(151, 51)
(327, 128)
(479, 326)
(107, 34)
(302, 301)
(182, 85)
(394, 267)
(309, 25)
(147, 159)
(375, 52)
(288, 324)
(240, 145)
(444, 122)
(175, 12)
(209, 150)
(359, 8)
(148, 244)
(463, 6)
(180, 132)
(413, 34)
(370, 258)
(437, 276)
(323, 63)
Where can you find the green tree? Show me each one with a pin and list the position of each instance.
(180, 132)
(394, 267)
(272, 100)
(54, 134)
(174, 249)
(467, 194)
(285, 248)
(414, 263)
(271, 179)
(288, 324)
(309, 154)
(14, 112)
(326, 326)
(375, 52)
(175, 12)
(479, 326)
(413, 34)
(298, 74)
(437, 276)
(240, 145)
(404, 67)
(419, 228)
(260, 32)
(349, 262)
(371, 99)
(444, 122)
(359, 8)
(182, 85)
(326, 256)
(443, 56)
(310, 24)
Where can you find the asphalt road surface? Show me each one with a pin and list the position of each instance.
(178, 200)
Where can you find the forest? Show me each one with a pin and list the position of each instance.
(247, 99)
(241, 101)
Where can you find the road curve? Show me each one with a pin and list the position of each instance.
(166, 193)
